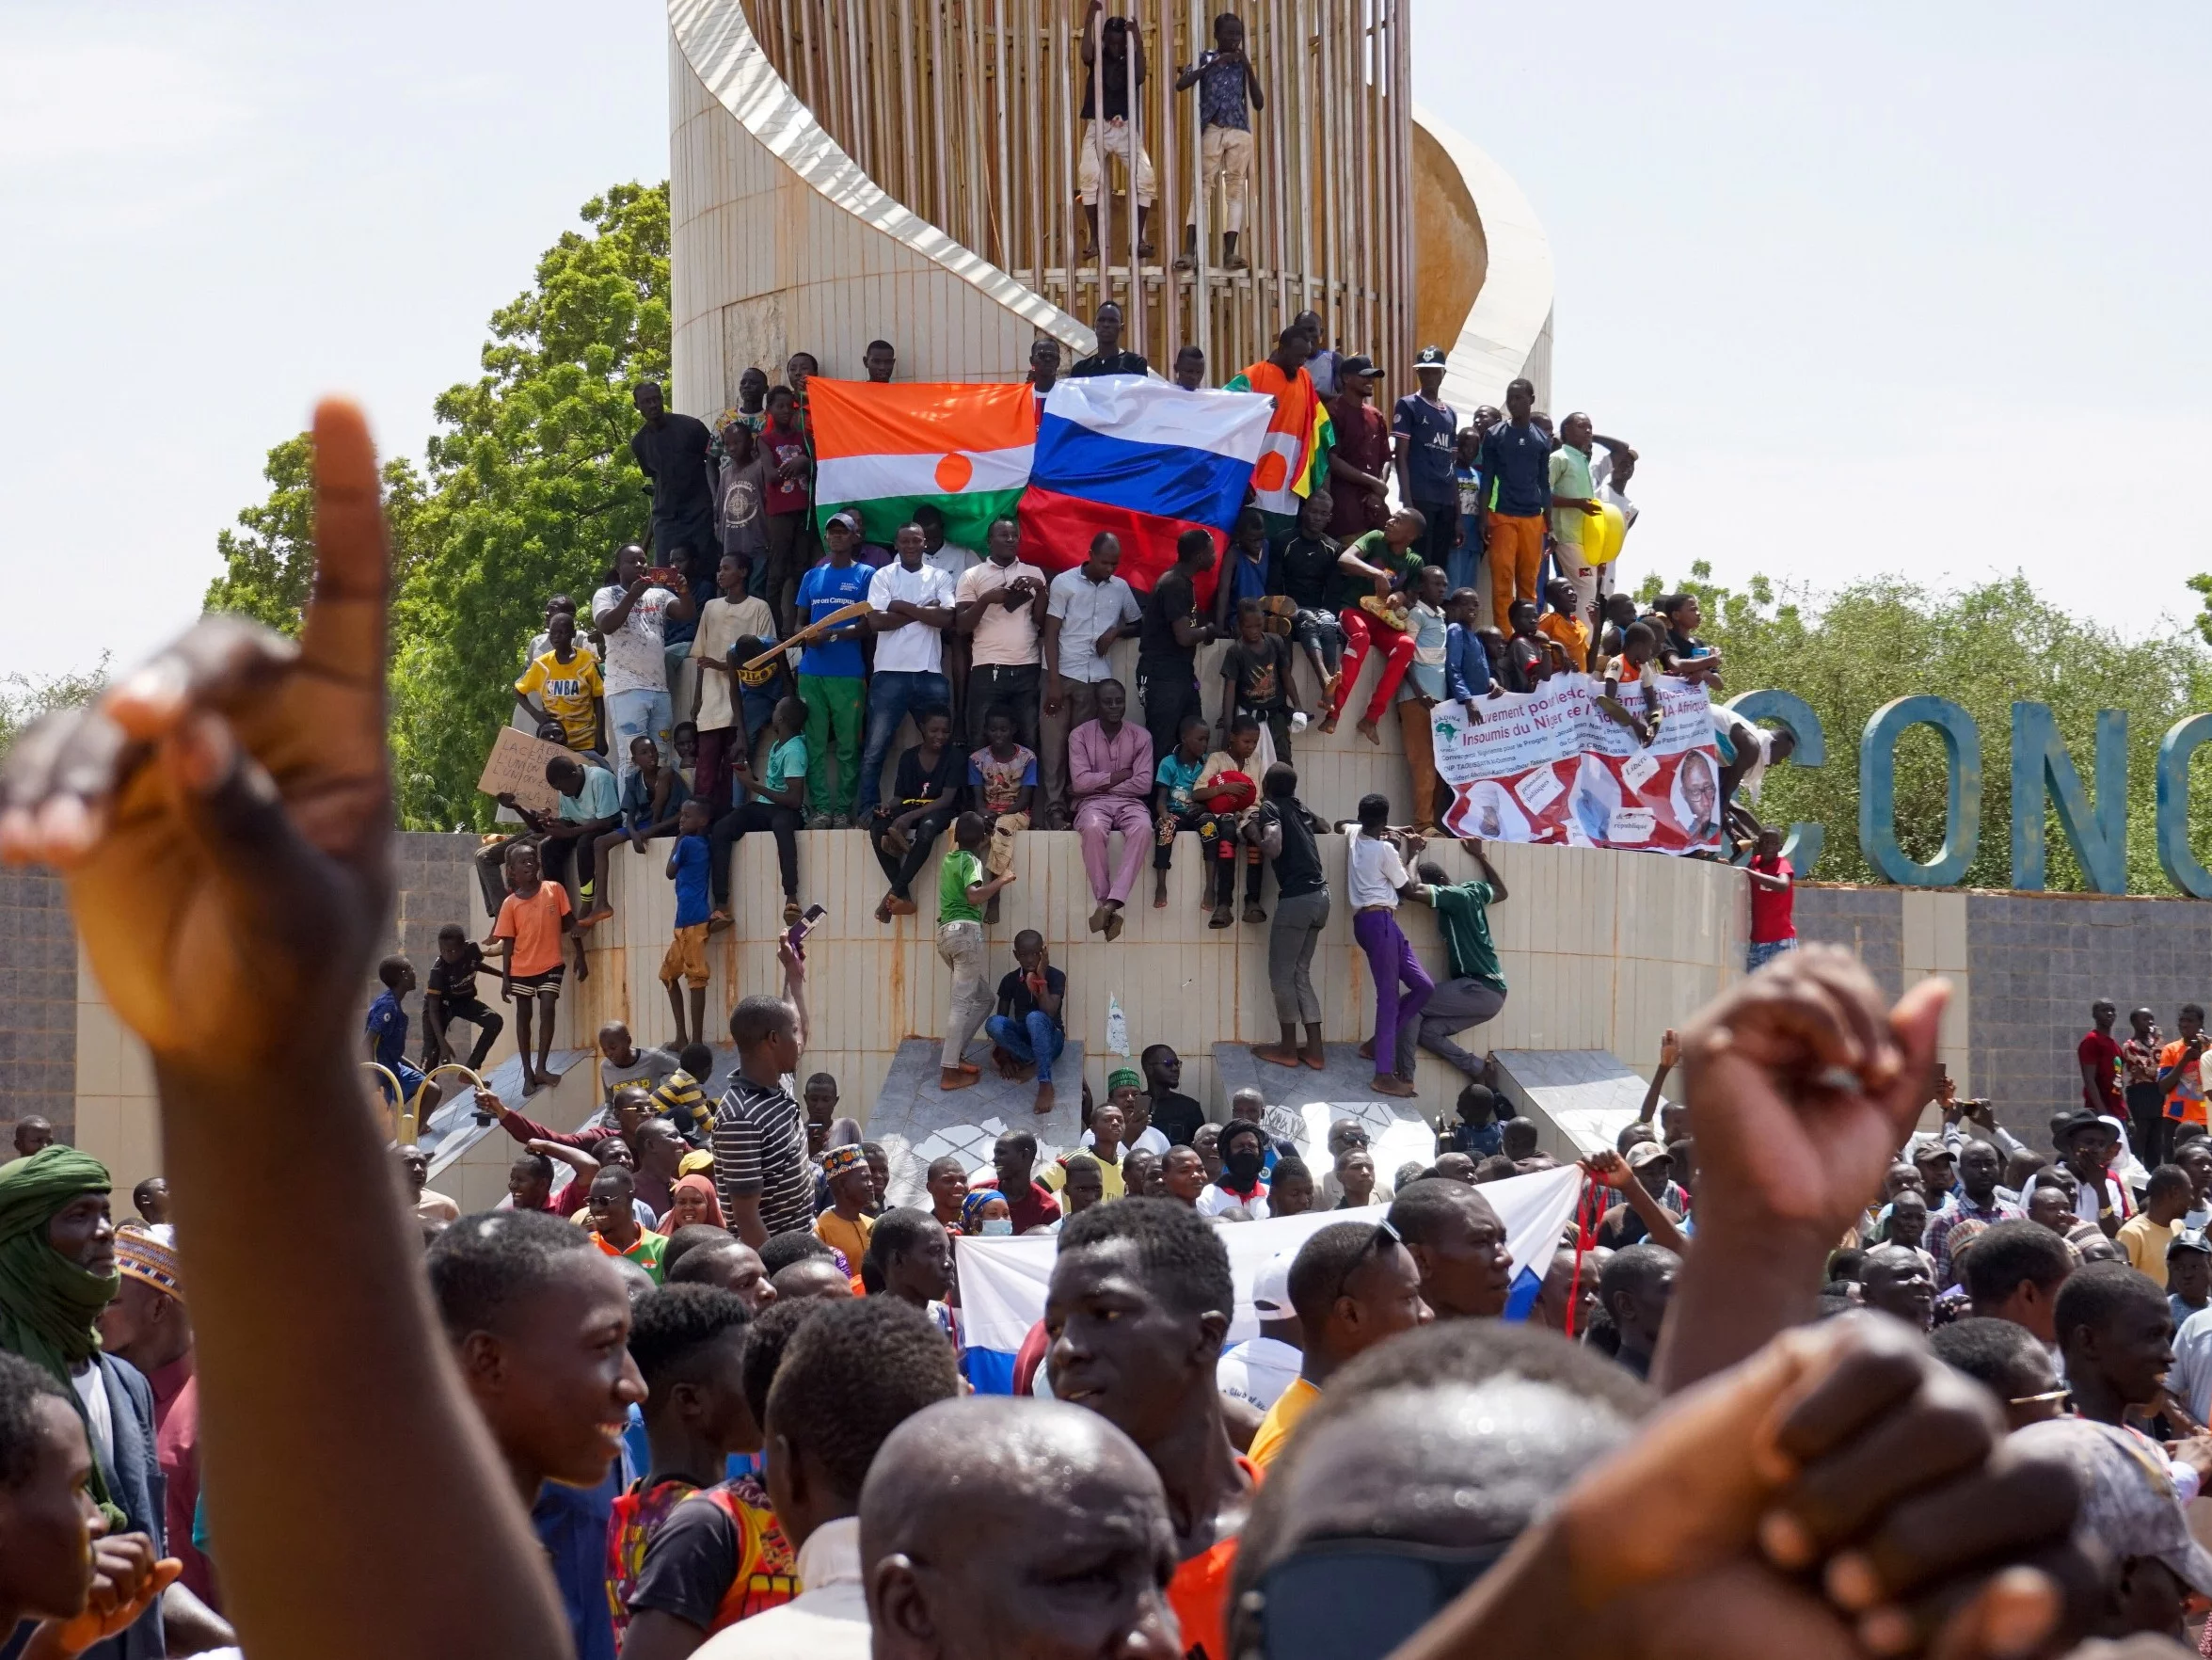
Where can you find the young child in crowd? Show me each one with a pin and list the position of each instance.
(534, 921)
(731, 617)
(385, 1032)
(682, 1096)
(1225, 792)
(1256, 671)
(961, 892)
(686, 960)
(1425, 680)
(1633, 667)
(1245, 574)
(1305, 573)
(847, 1224)
(1002, 783)
(759, 690)
(653, 793)
(565, 679)
(1528, 659)
(1174, 806)
(683, 738)
(451, 996)
(1027, 1029)
(777, 795)
(1467, 664)
(1561, 625)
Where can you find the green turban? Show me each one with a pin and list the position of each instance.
(1122, 1078)
(48, 1304)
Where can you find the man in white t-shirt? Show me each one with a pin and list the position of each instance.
(1259, 1369)
(1376, 878)
(632, 614)
(912, 608)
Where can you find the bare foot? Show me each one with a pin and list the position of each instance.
(1389, 1083)
(901, 907)
(1367, 1050)
(720, 919)
(1367, 731)
(952, 1078)
(883, 909)
(1045, 1097)
(1007, 1066)
(591, 918)
(1275, 1055)
(971, 1069)
(530, 1084)
(1330, 724)
(1221, 917)
(1159, 893)
(547, 1076)
(1315, 1059)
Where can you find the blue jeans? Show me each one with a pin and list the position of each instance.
(1037, 1038)
(890, 698)
(638, 714)
(1762, 953)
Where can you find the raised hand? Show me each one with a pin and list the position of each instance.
(1608, 1168)
(223, 815)
(1803, 1087)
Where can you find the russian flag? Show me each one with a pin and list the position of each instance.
(1003, 1282)
(1141, 458)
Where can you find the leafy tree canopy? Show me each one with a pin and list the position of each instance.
(528, 489)
(1984, 647)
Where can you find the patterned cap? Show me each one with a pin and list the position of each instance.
(837, 1161)
(151, 1255)
(1123, 1077)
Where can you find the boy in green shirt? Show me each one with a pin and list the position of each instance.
(962, 890)
(1475, 990)
(777, 796)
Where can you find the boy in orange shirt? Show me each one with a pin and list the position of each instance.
(534, 920)
(1560, 624)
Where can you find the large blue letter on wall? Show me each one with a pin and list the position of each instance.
(2180, 744)
(1877, 792)
(2098, 839)
(1802, 846)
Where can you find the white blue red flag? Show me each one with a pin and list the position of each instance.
(1143, 460)
(1003, 1282)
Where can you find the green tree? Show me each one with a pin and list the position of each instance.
(1983, 649)
(24, 698)
(269, 559)
(532, 487)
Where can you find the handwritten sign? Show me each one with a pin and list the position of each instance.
(516, 767)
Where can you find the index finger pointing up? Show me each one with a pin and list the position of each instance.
(344, 630)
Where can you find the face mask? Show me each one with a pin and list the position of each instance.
(1243, 1166)
(997, 1224)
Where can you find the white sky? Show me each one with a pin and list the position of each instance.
(1891, 287)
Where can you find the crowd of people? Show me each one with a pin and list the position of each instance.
(1732, 1436)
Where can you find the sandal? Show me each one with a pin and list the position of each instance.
(792, 912)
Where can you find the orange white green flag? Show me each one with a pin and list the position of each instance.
(883, 451)
(1293, 460)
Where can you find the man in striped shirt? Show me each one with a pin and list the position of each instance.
(760, 1163)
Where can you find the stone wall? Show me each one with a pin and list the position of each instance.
(38, 1004)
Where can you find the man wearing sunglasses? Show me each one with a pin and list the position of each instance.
(1458, 1244)
(1139, 1301)
(1353, 1284)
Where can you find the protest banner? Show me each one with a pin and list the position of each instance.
(1549, 766)
(516, 767)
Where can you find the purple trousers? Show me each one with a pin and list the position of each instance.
(1390, 959)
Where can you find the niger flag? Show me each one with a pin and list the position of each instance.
(1293, 460)
(883, 451)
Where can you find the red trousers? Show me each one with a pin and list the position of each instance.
(1360, 629)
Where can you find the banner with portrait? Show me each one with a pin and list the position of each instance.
(1552, 766)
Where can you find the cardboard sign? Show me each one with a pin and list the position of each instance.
(516, 767)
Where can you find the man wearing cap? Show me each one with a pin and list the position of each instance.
(1938, 1166)
(2189, 1277)
(1359, 466)
(1259, 1369)
(1427, 434)
(2130, 1506)
(1653, 1167)
(2086, 1145)
(147, 1325)
(832, 675)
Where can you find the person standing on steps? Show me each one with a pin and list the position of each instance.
(1286, 833)
(1376, 882)
(1086, 610)
(1107, 80)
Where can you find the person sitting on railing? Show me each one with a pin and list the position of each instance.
(385, 1035)
(451, 996)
